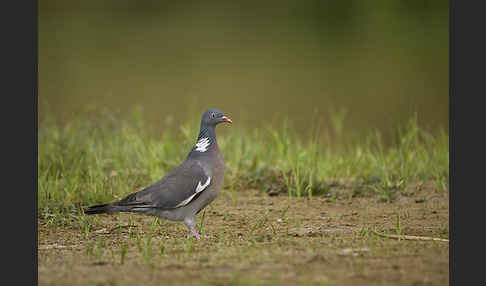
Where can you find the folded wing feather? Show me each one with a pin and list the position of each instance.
(176, 189)
(199, 189)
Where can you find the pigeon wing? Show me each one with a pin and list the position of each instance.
(177, 189)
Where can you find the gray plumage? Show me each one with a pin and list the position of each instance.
(188, 188)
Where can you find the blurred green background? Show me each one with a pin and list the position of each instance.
(378, 61)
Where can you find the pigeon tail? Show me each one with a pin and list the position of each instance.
(99, 209)
(128, 204)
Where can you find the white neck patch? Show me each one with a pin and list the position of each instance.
(202, 144)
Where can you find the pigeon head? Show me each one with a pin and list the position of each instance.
(213, 117)
(207, 134)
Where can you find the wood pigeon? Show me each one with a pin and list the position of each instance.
(188, 188)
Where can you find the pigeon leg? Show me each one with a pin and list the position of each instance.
(195, 233)
(189, 222)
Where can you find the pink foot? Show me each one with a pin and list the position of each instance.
(196, 234)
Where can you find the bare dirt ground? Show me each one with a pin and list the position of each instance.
(256, 239)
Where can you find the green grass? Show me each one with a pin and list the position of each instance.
(103, 158)
(325, 237)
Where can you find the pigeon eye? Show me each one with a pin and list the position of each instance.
(213, 115)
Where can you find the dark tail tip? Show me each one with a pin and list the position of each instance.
(97, 209)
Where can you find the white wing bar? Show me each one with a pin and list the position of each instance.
(199, 189)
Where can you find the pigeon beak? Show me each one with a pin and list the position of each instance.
(226, 119)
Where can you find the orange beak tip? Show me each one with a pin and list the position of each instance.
(226, 119)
